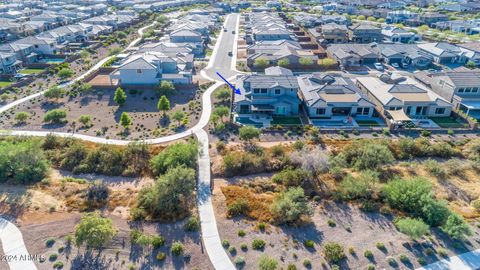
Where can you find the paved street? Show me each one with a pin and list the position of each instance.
(14, 247)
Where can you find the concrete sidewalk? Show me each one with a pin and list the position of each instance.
(465, 261)
(16, 254)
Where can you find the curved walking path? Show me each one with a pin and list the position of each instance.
(218, 61)
(465, 261)
(14, 248)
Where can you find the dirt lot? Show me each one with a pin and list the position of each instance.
(51, 211)
(353, 228)
(141, 106)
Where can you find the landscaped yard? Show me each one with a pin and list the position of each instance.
(31, 70)
(4, 84)
(286, 120)
(367, 123)
(447, 122)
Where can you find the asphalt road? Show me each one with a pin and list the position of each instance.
(222, 62)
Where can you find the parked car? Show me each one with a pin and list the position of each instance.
(224, 29)
(378, 66)
(230, 54)
(395, 65)
(233, 32)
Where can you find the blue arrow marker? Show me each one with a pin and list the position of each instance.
(235, 90)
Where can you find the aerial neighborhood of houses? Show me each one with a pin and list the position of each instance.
(240, 134)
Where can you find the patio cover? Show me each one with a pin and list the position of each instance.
(399, 115)
(472, 104)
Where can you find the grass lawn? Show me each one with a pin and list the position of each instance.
(31, 70)
(447, 122)
(4, 84)
(364, 123)
(286, 120)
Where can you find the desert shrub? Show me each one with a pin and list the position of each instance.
(261, 226)
(456, 227)
(370, 267)
(97, 194)
(171, 195)
(161, 256)
(415, 228)
(225, 243)
(333, 252)
(368, 254)
(291, 267)
(238, 207)
(175, 155)
(364, 155)
(243, 163)
(407, 195)
(443, 150)
(158, 241)
(105, 160)
(298, 145)
(50, 242)
(177, 248)
(472, 150)
(310, 160)
(192, 225)
(258, 244)
(241, 233)
(94, 230)
(434, 212)
(404, 259)
(454, 166)
(58, 265)
(55, 116)
(476, 205)
(22, 162)
(277, 150)
(434, 168)
(244, 247)
(239, 261)
(309, 243)
(442, 252)
(392, 262)
(307, 263)
(73, 156)
(267, 263)
(361, 187)
(290, 206)
(331, 223)
(291, 177)
(232, 250)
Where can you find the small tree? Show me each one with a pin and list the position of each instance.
(456, 227)
(84, 119)
(283, 62)
(267, 263)
(54, 93)
(290, 206)
(261, 63)
(305, 61)
(334, 252)
(223, 93)
(163, 105)
(55, 116)
(471, 65)
(94, 230)
(120, 97)
(65, 73)
(178, 116)
(125, 120)
(327, 62)
(415, 228)
(21, 117)
(166, 88)
(222, 112)
(248, 133)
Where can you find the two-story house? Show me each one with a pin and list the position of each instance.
(414, 99)
(461, 88)
(333, 33)
(364, 33)
(399, 35)
(9, 63)
(267, 95)
(331, 94)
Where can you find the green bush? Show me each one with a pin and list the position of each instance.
(392, 262)
(158, 241)
(258, 244)
(175, 155)
(225, 243)
(53, 257)
(192, 225)
(404, 259)
(55, 116)
(290, 206)
(241, 233)
(456, 227)
(58, 265)
(267, 263)
(361, 187)
(232, 250)
(237, 208)
(414, 228)
(161, 256)
(381, 246)
(22, 162)
(244, 247)
(333, 252)
(239, 261)
(309, 243)
(307, 263)
(177, 248)
(364, 155)
(244, 163)
(368, 254)
(94, 230)
(434, 168)
(291, 177)
(291, 267)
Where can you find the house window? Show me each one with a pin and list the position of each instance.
(474, 89)
(363, 111)
(440, 111)
(256, 91)
(139, 71)
(277, 91)
(409, 109)
(468, 90)
(280, 110)
(461, 90)
(263, 90)
(320, 111)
